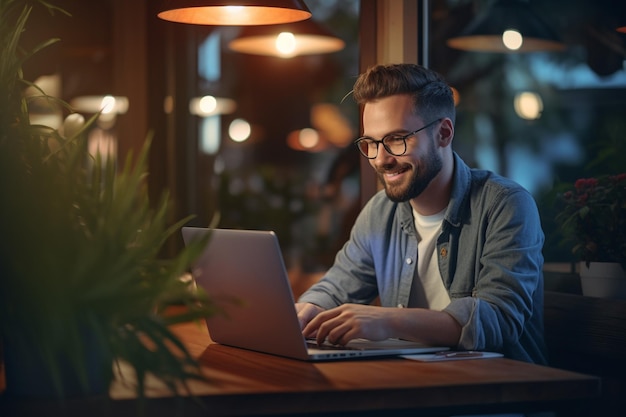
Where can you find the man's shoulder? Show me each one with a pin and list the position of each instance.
(478, 178)
(489, 190)
(494, 182)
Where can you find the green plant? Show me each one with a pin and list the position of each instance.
(593, 218)
(80, 248)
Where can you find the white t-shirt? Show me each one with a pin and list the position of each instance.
(428, 290)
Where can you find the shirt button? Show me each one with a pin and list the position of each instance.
(444, 252)
(409, 261)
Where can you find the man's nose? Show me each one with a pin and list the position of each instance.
(382, 156)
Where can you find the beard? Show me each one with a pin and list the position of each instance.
(421, 177)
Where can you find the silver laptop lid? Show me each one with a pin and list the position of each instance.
(245, 272)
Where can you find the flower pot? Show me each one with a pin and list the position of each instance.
(603, 280)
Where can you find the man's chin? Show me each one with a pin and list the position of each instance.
(396, 194)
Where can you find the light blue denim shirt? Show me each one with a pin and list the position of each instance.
(490, 260)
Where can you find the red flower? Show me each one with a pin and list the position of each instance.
(618, 178)
(593, 218)
(580, 183)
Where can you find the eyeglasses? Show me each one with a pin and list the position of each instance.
(394, 144)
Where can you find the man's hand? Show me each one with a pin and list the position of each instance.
(341, 324)
(346, 322)
(306, 312)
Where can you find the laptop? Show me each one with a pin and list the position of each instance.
(244, 271)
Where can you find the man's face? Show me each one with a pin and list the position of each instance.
(404, 177)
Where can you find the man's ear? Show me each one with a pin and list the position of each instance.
(446, 133)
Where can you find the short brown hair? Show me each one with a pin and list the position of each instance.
(432, 96)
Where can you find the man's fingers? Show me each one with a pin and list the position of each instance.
(306, 314)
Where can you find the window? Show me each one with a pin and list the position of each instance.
(544, 117)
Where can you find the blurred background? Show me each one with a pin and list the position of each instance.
(266, 141)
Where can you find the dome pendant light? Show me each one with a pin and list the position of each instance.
(507, 26)
(288, 40)
(233, 13)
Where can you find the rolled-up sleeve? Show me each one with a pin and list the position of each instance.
(505, 307)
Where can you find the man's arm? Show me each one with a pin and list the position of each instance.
(504, 312)
(350, 321)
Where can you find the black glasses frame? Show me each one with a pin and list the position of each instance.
(369, 140)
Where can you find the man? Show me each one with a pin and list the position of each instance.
(453, 253)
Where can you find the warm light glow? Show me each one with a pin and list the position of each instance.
(302, 45)
(456, 96)
(239, 130)
(168, 104)
(105, 104)
(108, 104)
(234, 10)
(73, 124)
(51, 84)
(332, 124)
(241, 13)
(528, 105)
(286, 43)
(42, 110)
(512, 39)
(500, 27)
(309, 138)
(210, 105)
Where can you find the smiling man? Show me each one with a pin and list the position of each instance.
(453, 253)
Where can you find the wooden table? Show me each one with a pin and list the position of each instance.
(251, 383)
(244, 383)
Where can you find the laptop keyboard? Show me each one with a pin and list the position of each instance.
(326, 346)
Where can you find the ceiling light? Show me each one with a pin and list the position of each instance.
(239, 130)
(287, 40)
(307, 139)
(233, 13)
(507, 26)
(528, 105)
(210, 106)
(104, 104)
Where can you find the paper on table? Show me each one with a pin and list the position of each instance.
(452, 356)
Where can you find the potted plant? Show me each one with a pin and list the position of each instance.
(83, 284)
(593, 221)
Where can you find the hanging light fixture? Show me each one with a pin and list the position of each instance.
(507, 26)
(233, 13)
(287, 40)
(307, 139)
(210, 106)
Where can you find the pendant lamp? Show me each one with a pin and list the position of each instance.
(233, 13)
(508, 26)
(287, 40)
